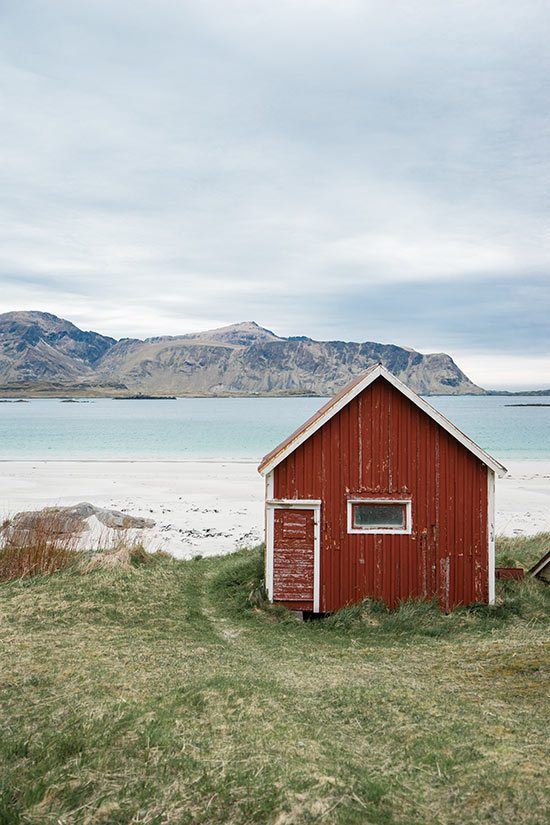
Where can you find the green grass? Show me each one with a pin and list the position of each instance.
(161, 695)
(523, 551)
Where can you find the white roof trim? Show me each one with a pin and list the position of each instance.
(371, 376)
(539, 565)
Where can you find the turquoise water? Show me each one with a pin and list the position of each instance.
(232, 428)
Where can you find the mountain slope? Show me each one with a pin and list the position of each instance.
(37, 345)
(270, 366)
(240, 359)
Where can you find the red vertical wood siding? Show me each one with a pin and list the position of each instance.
(382, 444)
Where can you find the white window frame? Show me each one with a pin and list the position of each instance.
(394, 531)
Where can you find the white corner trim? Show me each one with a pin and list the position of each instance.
(316, 559)
(421, 403)
(289, 504)
(405, 531)
(269, 538)
(491, 533)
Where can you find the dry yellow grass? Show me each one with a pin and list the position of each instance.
(37, 546)
(48, 541)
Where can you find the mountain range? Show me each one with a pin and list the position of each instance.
(41, 354)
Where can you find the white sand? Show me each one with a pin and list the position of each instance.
(198, 507)
(523, 499)
(213, 507)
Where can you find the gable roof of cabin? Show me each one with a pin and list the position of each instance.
(343, 398)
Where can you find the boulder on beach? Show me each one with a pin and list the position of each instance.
(73, 520)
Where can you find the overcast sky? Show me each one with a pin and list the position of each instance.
(352, 170)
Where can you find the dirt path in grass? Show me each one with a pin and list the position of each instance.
(203, 610)
(195, 593)
(226, 629)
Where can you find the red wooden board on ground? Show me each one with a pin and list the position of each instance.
(516, 573)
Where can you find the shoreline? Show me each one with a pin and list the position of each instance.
(131, 460)
(216, 460)
(213, 506)
(10, 394)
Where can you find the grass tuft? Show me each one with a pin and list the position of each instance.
(527, 600)
(47, 542)
(40, 546)
(521, 551)
(236, 585)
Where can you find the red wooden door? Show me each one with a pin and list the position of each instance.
(293, 554)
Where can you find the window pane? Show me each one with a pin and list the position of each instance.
(379, 515)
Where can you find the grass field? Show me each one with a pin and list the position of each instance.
(159, 695)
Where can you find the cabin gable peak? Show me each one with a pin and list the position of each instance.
(345, 396)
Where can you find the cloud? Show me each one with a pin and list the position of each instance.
(325, 168)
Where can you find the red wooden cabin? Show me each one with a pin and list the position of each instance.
(379, 495)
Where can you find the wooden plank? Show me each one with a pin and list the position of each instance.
(293, 555)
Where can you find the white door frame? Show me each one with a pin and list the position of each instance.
(293, 504)
(491, 532)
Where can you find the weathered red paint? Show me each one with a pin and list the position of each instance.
(516, 573)
(381, 444)
(293, 555)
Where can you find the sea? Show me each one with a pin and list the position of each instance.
(236, 429)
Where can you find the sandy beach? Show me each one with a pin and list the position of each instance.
(213, 507)
(198, 506)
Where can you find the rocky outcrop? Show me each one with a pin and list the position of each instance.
(41, 353)
(70, 520)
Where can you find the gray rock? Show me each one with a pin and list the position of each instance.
(72, 519)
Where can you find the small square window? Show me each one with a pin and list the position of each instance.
(379, 516)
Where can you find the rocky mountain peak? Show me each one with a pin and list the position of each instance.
(244, 333)
(44, 321)
(39, 345)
